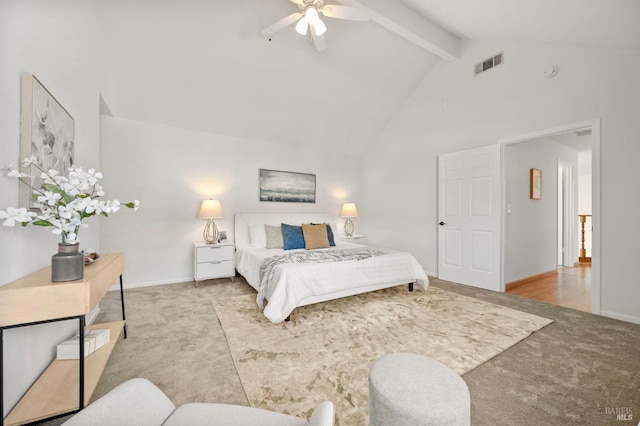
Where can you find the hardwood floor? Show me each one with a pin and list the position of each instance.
(569, 287)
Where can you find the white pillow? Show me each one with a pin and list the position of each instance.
(275, 239)
(258, 236)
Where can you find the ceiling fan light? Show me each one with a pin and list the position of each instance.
(301, 26)
(311, 13)
(319, 27)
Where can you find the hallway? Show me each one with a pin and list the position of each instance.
(569, 287)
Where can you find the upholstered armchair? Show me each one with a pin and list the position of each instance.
(138, 402)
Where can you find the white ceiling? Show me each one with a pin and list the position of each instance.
(588, 23)
(204, 64)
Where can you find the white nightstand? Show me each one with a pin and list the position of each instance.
(213, 261)
(355, 238)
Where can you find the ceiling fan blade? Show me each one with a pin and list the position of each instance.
(345, 12)
(318, 41)
(298, 2)
(284, 22)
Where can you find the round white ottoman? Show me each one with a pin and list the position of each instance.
(413, 390)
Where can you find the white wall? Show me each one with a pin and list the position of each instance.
(171, 170)
(531, 227)
(451, 110)
(55, 42)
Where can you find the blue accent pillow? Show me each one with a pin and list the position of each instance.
(332, 242)
(293, 237)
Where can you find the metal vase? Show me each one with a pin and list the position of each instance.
(67, 264)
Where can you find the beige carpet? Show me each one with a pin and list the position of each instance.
(326, 350)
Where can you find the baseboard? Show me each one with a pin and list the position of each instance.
(527, 280)
(91, 317)
(621, 317)
(116, 287)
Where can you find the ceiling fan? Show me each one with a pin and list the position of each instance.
(309, 18)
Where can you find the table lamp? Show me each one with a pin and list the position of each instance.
(348, 210)
(211, 209)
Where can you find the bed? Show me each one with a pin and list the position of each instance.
(298, 284)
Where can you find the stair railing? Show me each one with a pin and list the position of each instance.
(583, 258)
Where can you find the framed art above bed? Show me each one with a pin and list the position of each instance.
(290, 187)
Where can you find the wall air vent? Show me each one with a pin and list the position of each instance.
(489, 63)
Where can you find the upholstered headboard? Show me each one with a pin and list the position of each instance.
(243, 220)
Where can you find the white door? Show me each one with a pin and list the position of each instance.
(469, 188)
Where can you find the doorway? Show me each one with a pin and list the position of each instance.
(566, 252)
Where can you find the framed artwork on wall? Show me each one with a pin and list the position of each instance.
(46, 132)
(535, 184)
(287, 186)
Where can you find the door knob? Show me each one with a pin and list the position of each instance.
(442, 223)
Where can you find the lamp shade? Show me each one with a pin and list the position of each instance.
(211, 209)
(348, 210)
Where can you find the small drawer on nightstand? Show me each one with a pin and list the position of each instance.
(212, 269)
(214, 253)
(356, 239)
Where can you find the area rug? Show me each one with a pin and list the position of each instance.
(326, 350)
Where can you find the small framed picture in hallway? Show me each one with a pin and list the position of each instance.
(535, 184)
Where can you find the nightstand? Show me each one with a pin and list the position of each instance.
(355, 238)
(213, 261)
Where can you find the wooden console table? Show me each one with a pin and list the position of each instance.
(35, 299)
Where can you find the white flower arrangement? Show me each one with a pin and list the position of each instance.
(64, 201)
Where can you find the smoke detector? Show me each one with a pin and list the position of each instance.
(551, 71)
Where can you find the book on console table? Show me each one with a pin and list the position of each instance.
(93, 340)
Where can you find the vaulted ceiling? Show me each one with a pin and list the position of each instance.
(205, 65)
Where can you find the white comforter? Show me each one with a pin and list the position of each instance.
(296, 284)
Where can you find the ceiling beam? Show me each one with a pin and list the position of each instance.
(411, 25)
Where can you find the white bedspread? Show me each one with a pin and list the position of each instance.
(295, 282)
